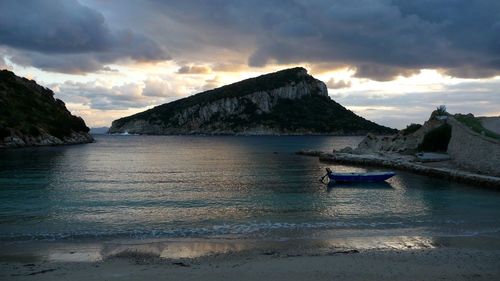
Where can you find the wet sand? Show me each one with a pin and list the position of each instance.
(411, 259)
(430, 264)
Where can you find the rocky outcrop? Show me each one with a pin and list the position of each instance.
(400, 142)
(31, 116)
(285, 102)
(20, 140)
(472, 150)
(467, 148)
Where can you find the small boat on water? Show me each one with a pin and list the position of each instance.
(357, 177)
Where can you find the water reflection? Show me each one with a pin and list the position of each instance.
(384, 243)
(153, 187)
(190, 249)
(368, 185)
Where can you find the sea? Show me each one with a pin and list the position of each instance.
(227, 188)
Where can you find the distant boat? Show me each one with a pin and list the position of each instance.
(358, 177)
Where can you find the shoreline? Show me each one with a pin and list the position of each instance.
(200, 248)
(400, 163)
(246, 134)
(97, 250)
(75, 139)
(281, 262)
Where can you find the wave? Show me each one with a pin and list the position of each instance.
(245, 230)
(124, 134)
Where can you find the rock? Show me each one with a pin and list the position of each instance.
(399, 142)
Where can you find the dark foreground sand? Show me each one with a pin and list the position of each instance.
(420, 264)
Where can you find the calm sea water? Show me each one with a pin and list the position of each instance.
(142, 187)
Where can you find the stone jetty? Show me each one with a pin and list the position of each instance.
(406, 163)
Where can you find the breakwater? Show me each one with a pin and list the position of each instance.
(403, 162)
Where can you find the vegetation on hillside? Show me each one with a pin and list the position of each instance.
(410, 129)
(26, 108)
(318, 114)
(475, 124)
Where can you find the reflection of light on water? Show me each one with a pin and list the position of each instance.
(193, 250)
(392, 199)
(74, 255)
(173, 250)
(391, 243)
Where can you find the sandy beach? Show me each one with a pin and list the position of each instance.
(430, 264)
(292, 260)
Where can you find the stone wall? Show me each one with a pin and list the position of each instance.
(473, 151)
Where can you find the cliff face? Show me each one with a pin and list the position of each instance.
(285, 102)
(31, 116)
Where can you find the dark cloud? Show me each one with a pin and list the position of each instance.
(383, 72)
(471, 72)
(66, 36)
(381, 39)
(66, 63)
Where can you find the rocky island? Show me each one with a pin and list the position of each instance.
(31, 116)
(287, 102)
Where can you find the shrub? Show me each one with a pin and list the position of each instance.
(437, 139)
(410, 129)
(475, 124)
(441, 110)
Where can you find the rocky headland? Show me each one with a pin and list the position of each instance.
(456, 147)
(31, 116)
(287, 102)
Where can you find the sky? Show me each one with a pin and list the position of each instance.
(390, 61)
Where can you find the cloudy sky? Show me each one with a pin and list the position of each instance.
(391, 61)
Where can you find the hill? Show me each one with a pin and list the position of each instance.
(285, 102)
(31, 116)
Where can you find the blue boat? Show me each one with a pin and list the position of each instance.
(358, 177)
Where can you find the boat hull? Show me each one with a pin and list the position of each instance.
(360, 177)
